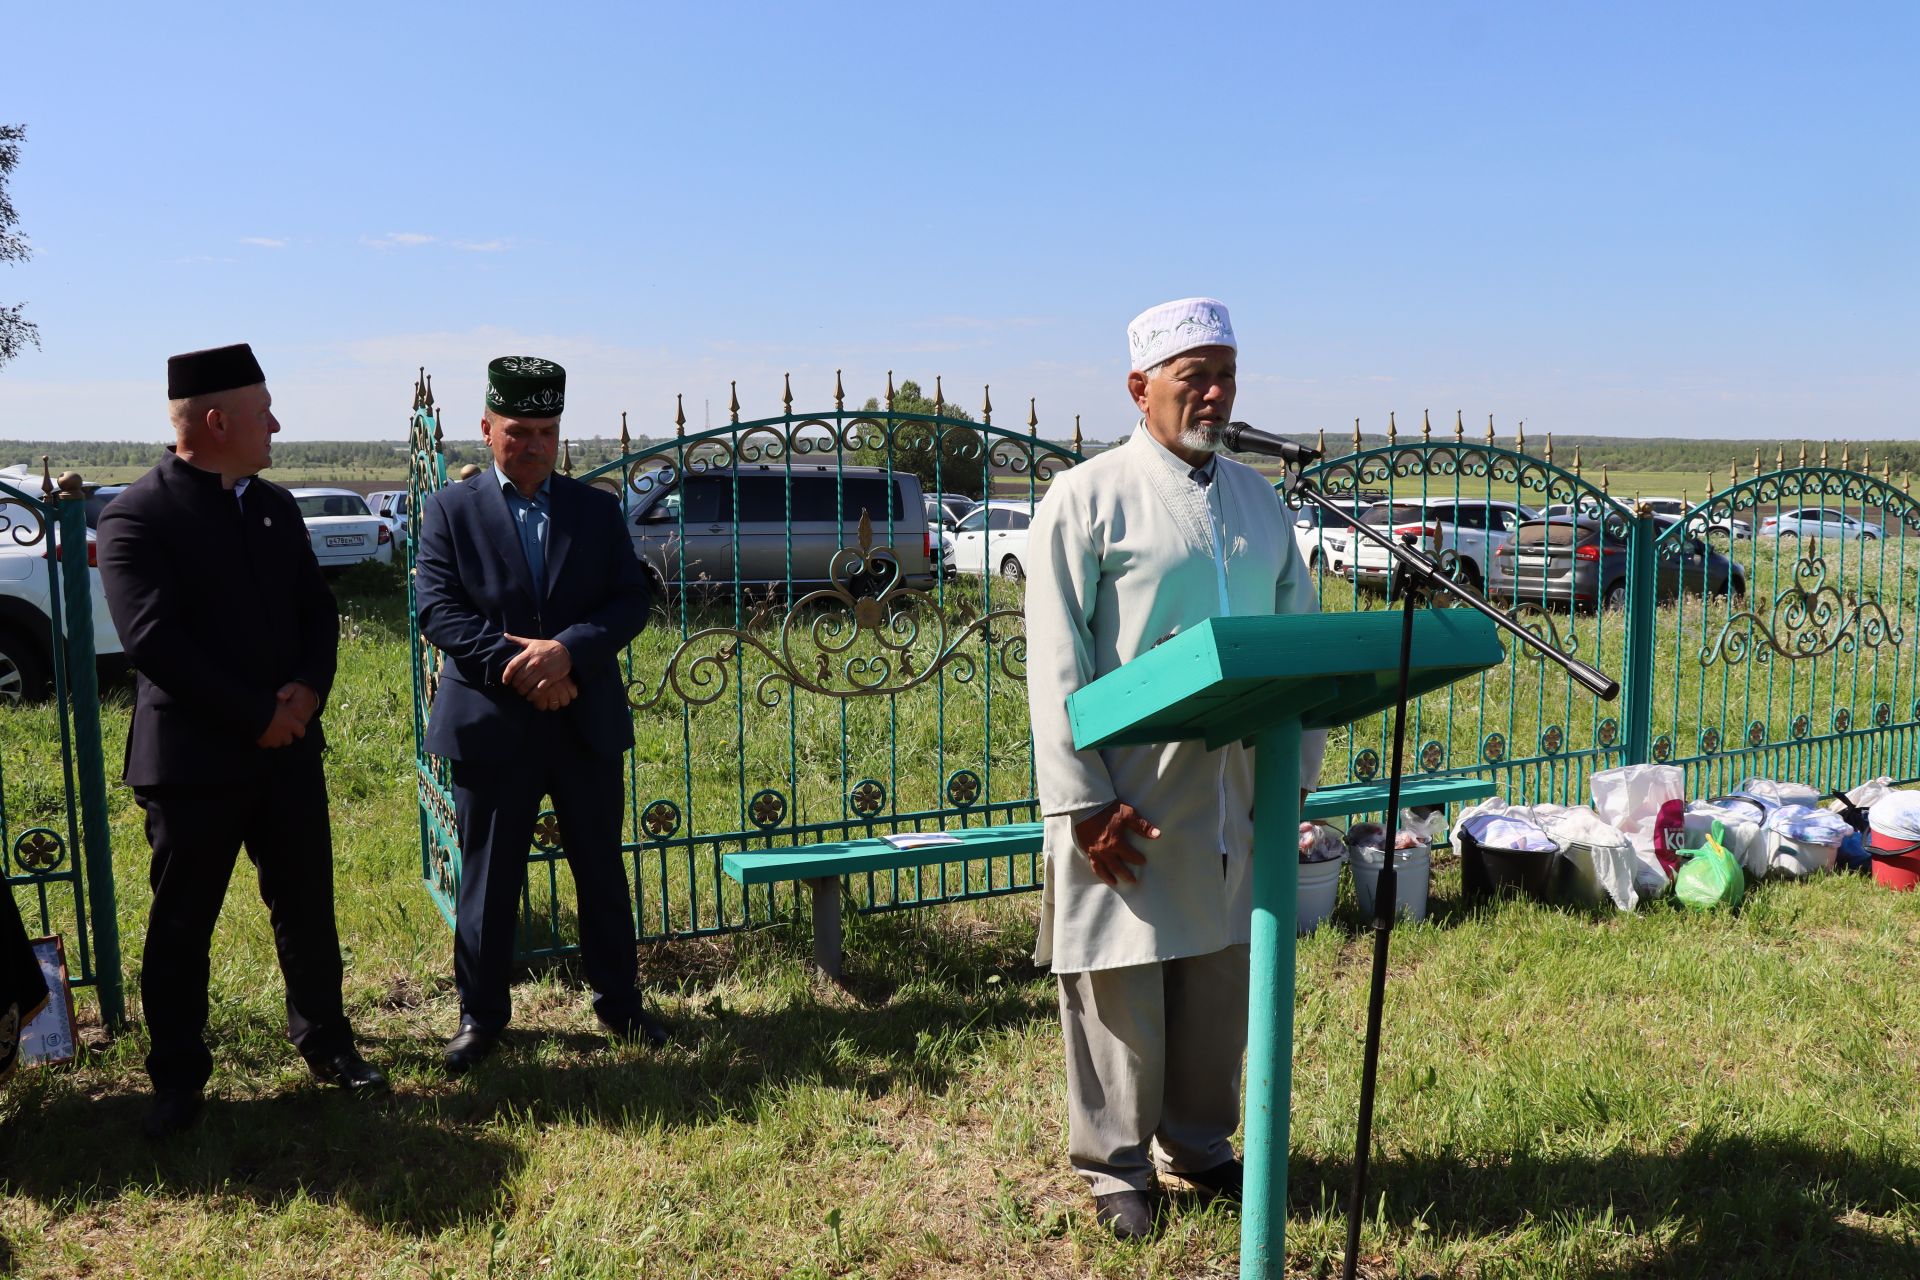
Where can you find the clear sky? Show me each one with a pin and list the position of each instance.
(1694, 219)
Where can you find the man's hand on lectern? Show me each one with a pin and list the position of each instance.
(1103, 834)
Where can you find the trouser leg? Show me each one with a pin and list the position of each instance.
(588, 800)
(290, 840)
(1206, 1021)
(494, 807)
(1114, 1024)
(195, 836)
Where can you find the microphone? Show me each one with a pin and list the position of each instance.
(1241, 438)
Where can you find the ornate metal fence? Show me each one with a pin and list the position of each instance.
(806, 678)
(810, 672)
(1809, 668)
(54, 851)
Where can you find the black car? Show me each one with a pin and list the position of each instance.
(1581, 563)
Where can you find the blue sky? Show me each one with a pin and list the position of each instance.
(1613, 218)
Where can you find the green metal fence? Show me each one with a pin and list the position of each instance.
(54, 851)
(809, 673)
(799, 703)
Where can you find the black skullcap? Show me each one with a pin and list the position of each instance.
(202, 373)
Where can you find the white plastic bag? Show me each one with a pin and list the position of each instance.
(1864, 796)
(1772, 794)
(1628, 799)
(1742, 833)
(1604, 861)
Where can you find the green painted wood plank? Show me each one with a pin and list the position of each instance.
(1371, 797)
(848, 857)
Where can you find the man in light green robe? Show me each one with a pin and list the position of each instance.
(1147, 907)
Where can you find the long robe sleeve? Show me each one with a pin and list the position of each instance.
(1063, 569)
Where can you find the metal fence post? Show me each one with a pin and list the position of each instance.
(1642, 627)
(83, 691)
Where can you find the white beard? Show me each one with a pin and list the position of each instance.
(1201, 438)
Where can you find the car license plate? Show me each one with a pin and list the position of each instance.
(345, 540)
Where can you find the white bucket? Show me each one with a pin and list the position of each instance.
(1412, 869)
(1319, 883)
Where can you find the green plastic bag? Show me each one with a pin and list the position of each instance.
(1710, 877)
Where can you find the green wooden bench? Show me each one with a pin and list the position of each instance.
(821, 866)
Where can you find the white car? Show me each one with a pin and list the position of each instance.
(342, 530)
(992, 539)
(1674, 508)
(26, 616)
(391, 505)
(1472, 528)
(1818, 522)
(1326, 540)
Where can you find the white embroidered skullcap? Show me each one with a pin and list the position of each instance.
(1161, 332)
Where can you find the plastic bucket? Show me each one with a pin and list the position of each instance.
(1412, 869)
(1896, 861)
(1319, 883)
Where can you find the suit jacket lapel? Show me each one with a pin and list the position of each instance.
(497, 523)
(561, 512)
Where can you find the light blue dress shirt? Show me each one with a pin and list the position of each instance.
(530, 520)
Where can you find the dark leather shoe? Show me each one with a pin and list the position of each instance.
(1222, 1182)
(1128, 1214)
(348, 1070)
(174, 1111)
(639, 1025)
(466, 1049)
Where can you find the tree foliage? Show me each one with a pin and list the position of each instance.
(16, 331)
(959, 466)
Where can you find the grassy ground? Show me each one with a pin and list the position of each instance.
(1562, 1094)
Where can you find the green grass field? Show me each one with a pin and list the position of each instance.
(1562, 1094)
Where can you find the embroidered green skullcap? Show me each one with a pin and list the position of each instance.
(526, 387)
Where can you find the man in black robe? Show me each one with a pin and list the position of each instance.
(220, 605)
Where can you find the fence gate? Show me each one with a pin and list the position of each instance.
(805, 676)
(1526, 725)
(1807, 667)
(54, 850)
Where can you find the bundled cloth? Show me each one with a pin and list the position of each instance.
(1770, 795)
(1743, 831)
(1604, 863)
(1802, 839)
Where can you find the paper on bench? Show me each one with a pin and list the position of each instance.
(920, 839)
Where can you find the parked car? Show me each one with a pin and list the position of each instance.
(343, 531)
(1577, 563)
(993, 539)
(1471, 528)
(1677, 507)
(391, 506)
(706, 528)
(1325, 540)
(1818, 522)
(945, 511)
(26, 609)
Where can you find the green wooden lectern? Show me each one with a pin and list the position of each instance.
(1266, 679)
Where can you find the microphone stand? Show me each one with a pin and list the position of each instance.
(1419, 574)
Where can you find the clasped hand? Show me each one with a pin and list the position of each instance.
(542, 673)
(1103, 834)
(293, 709)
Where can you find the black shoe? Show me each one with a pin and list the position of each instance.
(1222, 1182)
(1128, 1214)
(466, 1049)
(348, 1070)
(174, 1111)
(639, 1025)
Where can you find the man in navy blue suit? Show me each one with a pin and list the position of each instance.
(527, 581)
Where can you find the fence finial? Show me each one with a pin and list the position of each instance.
(1426, 427)
(626, 441)
(1356, 435)
(1780, 457)
(1520, 437)
(46, 481)
(733, 400)
(1886, 470)
(566, 458)
(1733, 471)
(1576, 460)
(786, 393)
(1489, 430)
(1459, 428)
(1866, 458)
(439, 437)
(1756, 460)
(1906, 482)
(1393, 430)
(1076, 433)
(679, 416)
(889, 388)
(986, 404)
(839, 392)
(1033, 417)
(1823, 453)
(1803, 453)
(1846, 457)
(939, 397)
(1549, 446)
(1606, 481)
(420, 389)
(1320, 441)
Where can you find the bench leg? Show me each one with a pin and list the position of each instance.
(826, 925)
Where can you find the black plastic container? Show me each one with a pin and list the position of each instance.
(1531, 873)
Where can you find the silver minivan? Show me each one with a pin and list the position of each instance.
(709, 528)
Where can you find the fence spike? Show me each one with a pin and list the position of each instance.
(986, 404)
(786, 393)
(1076, 433)
(1733, 471)
(839, 392)
(1320, 441)
(1489, 429)
(1906, 482)
(1846, 457)
(1576, 460)
(1866, 458)
(1549, 446)
(939, 397)
(46, 481)
(420, 389)
(733, 400)
(1520, 437)
(439, 437)
(1426, 427)
(1886, 470)
(1606, 481)
(1356, 435)
(679, 415)
(1780, 457)
(1459, 428)
(889, 389)
(1756, 460)
(1803, 453)
(1393, 430)
(626, 441)
(1033, 417)
(566, 457)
